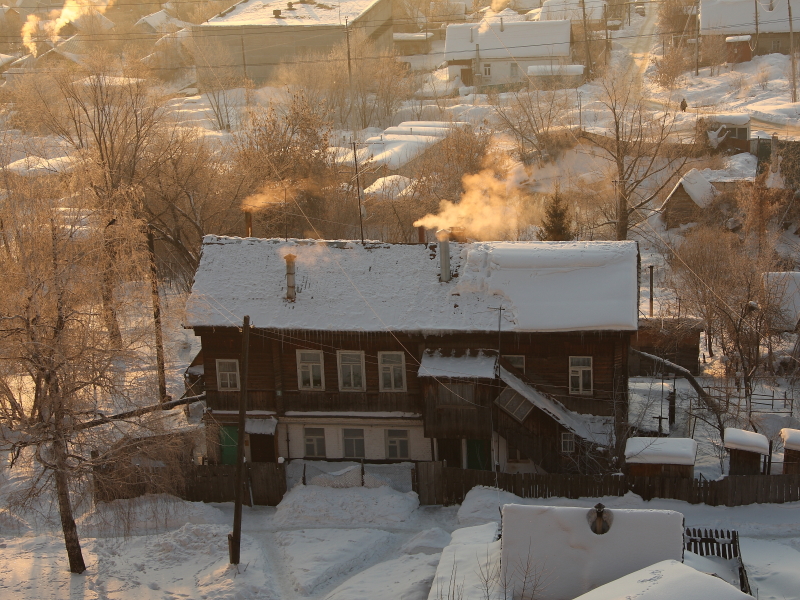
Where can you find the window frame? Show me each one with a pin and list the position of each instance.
(402, 371)
(345, 438)
(487, 69)
(513, 70)
(567, 442)
(776, 46)
(300, 364)
(315, 437)
(581, 391)
(407, 439)
(238, 376)
(363, 387)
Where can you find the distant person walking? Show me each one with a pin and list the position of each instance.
(683, 105)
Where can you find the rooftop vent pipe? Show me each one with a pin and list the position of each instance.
(289, 6)
(276, 13)
(291, 293)
(443, 235)
(248, 224)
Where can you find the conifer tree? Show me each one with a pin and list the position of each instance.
(556, 226)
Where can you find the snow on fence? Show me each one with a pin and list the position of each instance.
(348, 474)
(437, 484)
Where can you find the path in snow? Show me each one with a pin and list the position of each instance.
(641, 45)
(773, 568)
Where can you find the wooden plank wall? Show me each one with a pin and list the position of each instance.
(451, 485)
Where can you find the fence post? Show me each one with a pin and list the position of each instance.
(362, 472)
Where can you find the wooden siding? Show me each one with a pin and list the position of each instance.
(680, 209)
(676, 340)
(743, 462)
(791, 462)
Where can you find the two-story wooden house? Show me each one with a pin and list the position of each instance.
(485, 354)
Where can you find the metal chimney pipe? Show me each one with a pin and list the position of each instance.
(421, 234)
(291, 292)
(443, 235)
(248, 224)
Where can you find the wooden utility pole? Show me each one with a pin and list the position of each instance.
(162, 378)
(235, 538)
(697, 43)
(589, 67)
(791, 53)
(651, 295)
(349, 68)
(358, 192)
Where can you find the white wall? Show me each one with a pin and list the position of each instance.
(419, 447)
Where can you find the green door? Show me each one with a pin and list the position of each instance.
(228, 439)
(479, 455)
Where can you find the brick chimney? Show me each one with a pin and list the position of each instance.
(443, 235)
(291, 293)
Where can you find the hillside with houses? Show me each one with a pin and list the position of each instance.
(417, 299)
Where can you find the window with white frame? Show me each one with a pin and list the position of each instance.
(315, 441)
(397, 443)
(776, 45)
(351, 371)
(580, 375)
(310, 373)
(517, 361)
(487, 69)
(393, 370)
(514, 70)
(227, 375)
(567, 443)
(353, 443)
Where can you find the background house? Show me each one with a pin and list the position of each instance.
(494, 53)
(685, 203)
(390, 352)
(766, 23)
(251, 39)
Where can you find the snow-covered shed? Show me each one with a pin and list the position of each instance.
(499, 52)
(739, 169)
(666, 580)
(159, 22)
(791, 451)
(573, 550)
(746, 449)
(363, 336)
(657, 456)
(690, 196)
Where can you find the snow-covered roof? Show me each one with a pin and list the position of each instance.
(791, 438)
(739, 119)
(660, 451)
(261, 426)
(347, 286)
(598, 430)
(732, 17)
(735, 39)
(396, 146)
(785, 287)
(526, 39)
(749, 441)
(478, 365)
(6, 59)
(92, 21)
(419, 36)
(159, 21)
(389, 187)
(572, 10)
(739, 167)
(555, 70)
(699, 189)
(309, 13)
(666, 580)
(507, 15)
(560, 542)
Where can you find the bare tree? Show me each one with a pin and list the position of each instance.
(643, 157)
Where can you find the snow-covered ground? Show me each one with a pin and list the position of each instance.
(377, 555)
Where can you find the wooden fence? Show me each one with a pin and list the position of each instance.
(437, 484)
(718, 542)
(265, 484)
